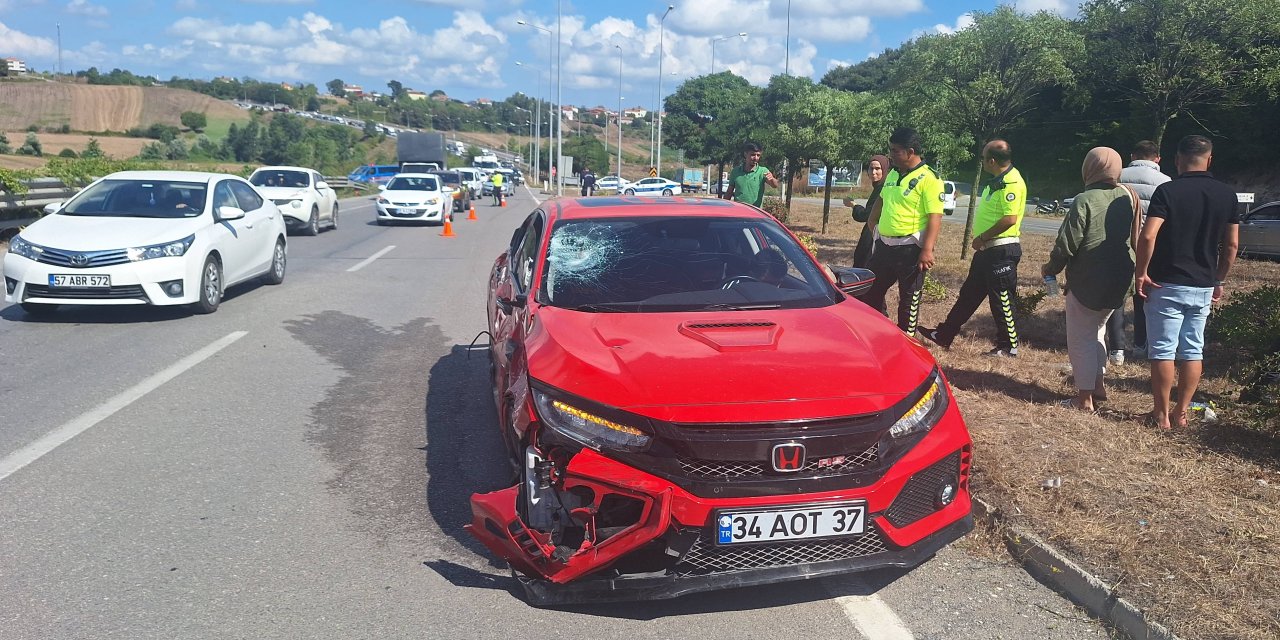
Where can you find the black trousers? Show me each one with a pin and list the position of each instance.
(1115, 326)
(900, 264)
(993, 275)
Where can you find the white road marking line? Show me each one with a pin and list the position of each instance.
(52, 440)
(535, 198)
(873, 618)
(364, 263)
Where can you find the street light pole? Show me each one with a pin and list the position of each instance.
(742, 35)
(551, 124)
(619, 174)
(559, 104)
(535, 149)
(787, 70)
(661, 34)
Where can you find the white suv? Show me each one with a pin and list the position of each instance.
(473, 178)
(302, 195)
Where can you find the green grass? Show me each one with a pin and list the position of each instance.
(217, 128)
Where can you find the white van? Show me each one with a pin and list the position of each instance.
(948, 197)
(473, 178)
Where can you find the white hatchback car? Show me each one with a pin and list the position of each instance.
(302, 195)
(147, 237)
(412, 197)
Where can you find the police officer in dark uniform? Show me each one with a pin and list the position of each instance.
(907, 220)
(993, 274)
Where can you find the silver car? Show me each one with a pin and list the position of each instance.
(1260, 231)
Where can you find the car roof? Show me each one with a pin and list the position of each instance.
(282, 168)
(172, 176)
(415, 175)
(637, 207)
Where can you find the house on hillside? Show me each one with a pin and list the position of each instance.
(286, 86)
(635, 112)
(353, 90)
(15, 66)
(569, 112)
(414, 94)
(482, 102)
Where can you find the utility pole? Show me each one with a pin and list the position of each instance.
(59, 48)
(661, 33)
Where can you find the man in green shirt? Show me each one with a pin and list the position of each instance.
(746, 182)
(906, 220)
(993, 274)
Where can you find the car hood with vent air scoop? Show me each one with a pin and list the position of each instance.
(770, 365)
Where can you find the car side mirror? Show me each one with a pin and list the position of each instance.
(52, 208)
(382, 187)
(229, 213)
(508, 304)
(853, 280)
(322, 185)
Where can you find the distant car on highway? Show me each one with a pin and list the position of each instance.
(474, 178)
(610, 183)
(1260, 231)
(147, 237)
(652, 187)
(412, 197)
(948, 197)
(302, 196)
(459, 192)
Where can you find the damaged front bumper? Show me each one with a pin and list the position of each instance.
(619, 534)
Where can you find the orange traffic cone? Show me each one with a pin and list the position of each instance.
(472, 215)
(504, 201)
(448, 226)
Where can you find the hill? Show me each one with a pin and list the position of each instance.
(103, 108)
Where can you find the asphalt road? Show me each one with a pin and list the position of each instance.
(298, 465)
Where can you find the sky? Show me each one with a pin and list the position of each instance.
(476, 48)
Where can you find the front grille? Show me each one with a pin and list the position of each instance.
(704, 557)
(916, 500)
(83, 259)
(728, 469)
(285, 202)
(125, 292)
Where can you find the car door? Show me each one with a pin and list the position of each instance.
(513, 287)
(326, 197)
(261, 234)
(231, 237)
(1260, 231)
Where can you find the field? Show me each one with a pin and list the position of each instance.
(116, 147)
(1183, 523)
(101, 108)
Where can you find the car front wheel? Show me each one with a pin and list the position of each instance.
(313, 225)
(210, 286)
(630, 192)
(279, 260)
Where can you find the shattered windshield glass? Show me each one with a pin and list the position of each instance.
(679, 263)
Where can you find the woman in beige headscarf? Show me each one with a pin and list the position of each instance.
(1095, 245)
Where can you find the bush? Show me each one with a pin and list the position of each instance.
(33, 128)
(1025, 305)
(933, 289)
(194, 120)
(68, 153)
(4, 144)
(32, 146)
(809, 243)
(1248, 325)
(92, 150)
(776, 207)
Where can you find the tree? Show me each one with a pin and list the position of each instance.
(32, 147)
(1174, 57)
(92, 150)
(709, 118)
(337, 88)
(980, 81)
(194, 120)
(786, 90)
(313, 103)
(397, 89)
(4, 144)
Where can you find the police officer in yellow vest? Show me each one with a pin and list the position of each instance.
(907, 220)
(993, 274)
(496, 180)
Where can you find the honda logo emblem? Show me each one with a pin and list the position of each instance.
(788, 457)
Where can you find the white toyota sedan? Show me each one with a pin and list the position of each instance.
(652, 187)
(301, 194)
(413, 197)
(147, 237)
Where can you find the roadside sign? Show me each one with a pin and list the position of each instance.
(653, 172)
(1244, 198)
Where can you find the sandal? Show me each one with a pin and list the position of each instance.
(1070, 403)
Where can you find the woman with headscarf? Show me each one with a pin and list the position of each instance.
(878, 168)
(1095, 245)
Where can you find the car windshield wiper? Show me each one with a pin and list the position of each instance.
(596, 308)
(723, 306)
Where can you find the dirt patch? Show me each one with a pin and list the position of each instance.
(1183, 522)
(101, 108)
(20, 162)
(116, 147)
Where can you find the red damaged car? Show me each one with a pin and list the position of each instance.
(691, 402)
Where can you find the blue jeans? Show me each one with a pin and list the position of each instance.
(1176, 316)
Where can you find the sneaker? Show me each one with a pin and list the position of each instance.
(1116, 357)
(1001, 353)
(932, 336)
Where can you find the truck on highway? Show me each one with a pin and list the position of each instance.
(690, 180)
(420, 152)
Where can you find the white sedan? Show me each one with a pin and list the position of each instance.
(413, 197)
(652, 187)
(302, 195)
(147, 237)
(610, 183)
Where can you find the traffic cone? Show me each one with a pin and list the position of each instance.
(504, 201)
(448, 226)
(472, 215)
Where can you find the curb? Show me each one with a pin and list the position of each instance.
(1051, 567)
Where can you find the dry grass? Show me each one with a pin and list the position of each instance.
(1183, 523)
(101, 108)
(115, 147)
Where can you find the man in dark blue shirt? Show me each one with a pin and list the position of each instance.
(1185, 250)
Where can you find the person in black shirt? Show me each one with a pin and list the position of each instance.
(1185, 250)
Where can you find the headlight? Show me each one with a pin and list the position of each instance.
(18, 246)
(382, 200)
(925, 413)
(165, 250)
(588, 428)
(433, 200)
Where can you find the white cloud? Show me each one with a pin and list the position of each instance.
(85, 8)
(20, 44)
(833, 63)
(963, 22)
(1064, 8)
(836, 20)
